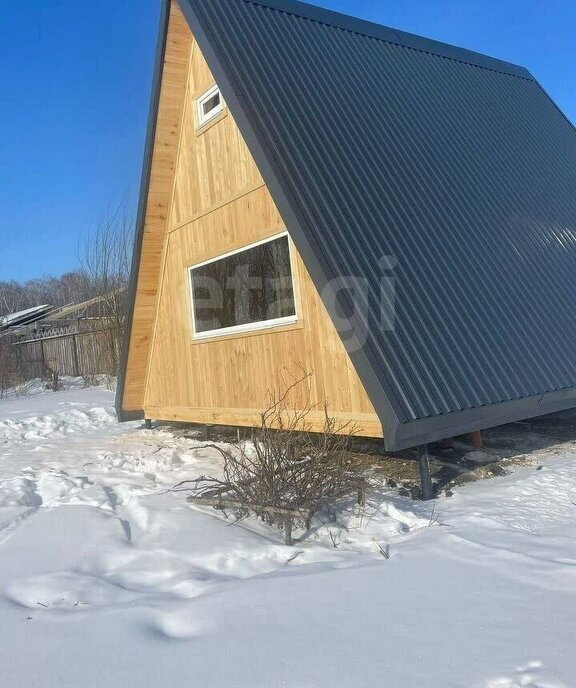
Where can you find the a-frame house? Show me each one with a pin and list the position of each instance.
(321, 193)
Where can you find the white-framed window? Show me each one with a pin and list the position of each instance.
(251, 288)
(209, 105)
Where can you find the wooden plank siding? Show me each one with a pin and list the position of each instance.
(172, 96)
(219, 203)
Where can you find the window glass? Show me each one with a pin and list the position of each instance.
(244, 289)
(211, 103)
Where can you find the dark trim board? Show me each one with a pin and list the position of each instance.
(142, 205)
(462, 422)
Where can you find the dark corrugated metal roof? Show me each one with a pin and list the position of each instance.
(377, 143)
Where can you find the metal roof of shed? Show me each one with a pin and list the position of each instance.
(375, 143)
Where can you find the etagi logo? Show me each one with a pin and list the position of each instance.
(243, 295)
(355, 303)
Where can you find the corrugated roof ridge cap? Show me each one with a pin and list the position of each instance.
(404, 39)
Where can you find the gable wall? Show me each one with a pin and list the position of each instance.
(220, 203)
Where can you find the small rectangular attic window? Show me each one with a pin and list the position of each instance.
(209, 105)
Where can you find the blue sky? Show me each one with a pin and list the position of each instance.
(76, 79)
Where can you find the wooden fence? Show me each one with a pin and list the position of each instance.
(78, 353)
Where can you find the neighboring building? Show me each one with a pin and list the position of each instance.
(310, 149)
(14, 321)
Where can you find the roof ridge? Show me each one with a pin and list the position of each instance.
(388, 34)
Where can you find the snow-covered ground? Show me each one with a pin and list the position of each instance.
(107, 579)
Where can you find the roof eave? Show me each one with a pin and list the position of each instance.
(436, 428)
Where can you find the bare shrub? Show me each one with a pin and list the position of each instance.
(285, 471)
(55, 384)
(10, 371)
(99, 379)
(91, 379)
(23, 389)
(109, 381)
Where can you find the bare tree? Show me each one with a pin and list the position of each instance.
(105, 259)
(72, 287)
